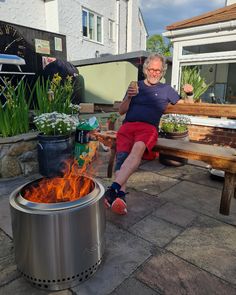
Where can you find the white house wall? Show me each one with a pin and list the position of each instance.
(24, 12)
(65, 17)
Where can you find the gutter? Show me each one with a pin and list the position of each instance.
(117, 26)
(230, 25)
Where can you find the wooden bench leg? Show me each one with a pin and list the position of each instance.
(111, 161)
(227, 193)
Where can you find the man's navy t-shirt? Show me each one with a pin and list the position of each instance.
(149, 104)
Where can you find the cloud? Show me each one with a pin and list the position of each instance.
(161, 13)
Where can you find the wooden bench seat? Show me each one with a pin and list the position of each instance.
(218, 157)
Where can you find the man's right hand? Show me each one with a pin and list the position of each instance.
(132, 89)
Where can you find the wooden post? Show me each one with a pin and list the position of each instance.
(227, 192)
(111, 159)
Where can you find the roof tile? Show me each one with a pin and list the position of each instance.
(226, 13)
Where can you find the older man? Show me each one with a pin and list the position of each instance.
(143, 104)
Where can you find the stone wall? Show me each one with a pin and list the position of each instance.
(18, 155)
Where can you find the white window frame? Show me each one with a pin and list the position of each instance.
(95, 26)
(179, 59)
(111, 30)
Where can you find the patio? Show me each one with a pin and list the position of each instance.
(173, 240)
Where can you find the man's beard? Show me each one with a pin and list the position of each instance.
(151, 83)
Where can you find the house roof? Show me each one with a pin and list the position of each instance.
(133, 57)
(224, 14)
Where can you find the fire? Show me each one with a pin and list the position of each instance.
(73, 185)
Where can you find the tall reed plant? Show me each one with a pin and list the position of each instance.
(14, 112)
(191, 75)
(53, 96)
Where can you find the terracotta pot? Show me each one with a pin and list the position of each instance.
(110, 125)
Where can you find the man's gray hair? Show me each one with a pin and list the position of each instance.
(154, 56)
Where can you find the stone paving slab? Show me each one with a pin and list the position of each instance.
(210, 245)
(5, 215)
(175, 214)
(139, 205)
(156, 231)
(192, 173)
(149, 182)
(199, 198)
(133, 286)
(171, 275)
(124, 253)
(153, 166)
(8, 271)
(21, 287)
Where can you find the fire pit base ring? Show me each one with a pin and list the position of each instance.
(58, 245)
(64, 283)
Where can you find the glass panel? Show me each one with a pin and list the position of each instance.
(208, 48)
(221, 78)
(85, 23)
(110, 30)
(91, 26)
(99, 29)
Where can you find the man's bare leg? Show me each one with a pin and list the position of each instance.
(115, 195)
(130, 164)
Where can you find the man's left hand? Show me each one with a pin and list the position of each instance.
(187, 88)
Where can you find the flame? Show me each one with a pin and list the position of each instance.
(73, 185)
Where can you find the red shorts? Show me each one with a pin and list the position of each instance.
(131, 132)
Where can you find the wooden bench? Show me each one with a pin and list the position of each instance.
(221, 158)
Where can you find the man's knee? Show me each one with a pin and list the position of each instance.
(138, 148)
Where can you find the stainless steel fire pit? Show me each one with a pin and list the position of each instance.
(58, 245)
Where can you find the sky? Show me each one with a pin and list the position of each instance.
(158, 14)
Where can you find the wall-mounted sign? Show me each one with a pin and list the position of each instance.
(42, 46)
(46, 60)
(58, 43)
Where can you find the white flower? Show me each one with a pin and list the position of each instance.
(55, 123)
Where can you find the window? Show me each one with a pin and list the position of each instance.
(99, 29)
(85, 24)
(92, 25)
(111, 30)
(209, 48)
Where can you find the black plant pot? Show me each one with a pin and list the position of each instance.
(172, 160)
(53, 151)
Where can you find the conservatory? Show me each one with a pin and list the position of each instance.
(207, 42)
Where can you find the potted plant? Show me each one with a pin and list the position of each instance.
(55, 144)
(174, 127)
(191, 75)
(111, 120)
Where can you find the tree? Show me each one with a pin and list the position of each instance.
(156, 43)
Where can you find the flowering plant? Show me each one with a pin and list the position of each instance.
(54, 95)
(113, 117)
(55, 123)
(174, 123)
